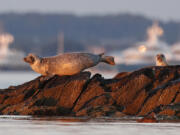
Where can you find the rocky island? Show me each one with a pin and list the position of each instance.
(145, 92)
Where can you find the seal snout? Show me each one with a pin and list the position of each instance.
(29, 59)
(160, 57)
(26, 60)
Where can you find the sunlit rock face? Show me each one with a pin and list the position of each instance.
(147, 91)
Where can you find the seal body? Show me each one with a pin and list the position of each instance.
(161, 60)
(66, 64)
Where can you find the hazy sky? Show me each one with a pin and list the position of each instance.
(164, 9)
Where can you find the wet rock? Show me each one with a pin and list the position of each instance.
(151, 90)
(148, 120)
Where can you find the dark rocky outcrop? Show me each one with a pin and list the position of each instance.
(145, 92)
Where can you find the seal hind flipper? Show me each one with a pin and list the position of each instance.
(108, 60)
(101, 54)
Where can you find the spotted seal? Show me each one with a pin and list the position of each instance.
(161, 60)
(67, 63)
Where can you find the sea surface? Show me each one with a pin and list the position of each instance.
(27, 125)
(12, 78)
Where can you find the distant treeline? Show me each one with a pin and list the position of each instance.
(35, 31)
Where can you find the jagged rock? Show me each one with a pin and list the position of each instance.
(56, 96)
(151, 90)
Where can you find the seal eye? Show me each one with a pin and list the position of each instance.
(32, 59)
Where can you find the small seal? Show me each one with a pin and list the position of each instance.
(161, 60)
(67, 63)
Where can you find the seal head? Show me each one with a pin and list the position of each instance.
(161, 60)
(31, 58)
(36, 64)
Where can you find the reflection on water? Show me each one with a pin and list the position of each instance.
(71, 126)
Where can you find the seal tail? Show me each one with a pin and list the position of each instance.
(107, 59)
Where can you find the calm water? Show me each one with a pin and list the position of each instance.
(24, 125)
(15, 78)
(59, 126)
(19, 77)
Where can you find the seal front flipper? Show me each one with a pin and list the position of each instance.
(101, 54)
(45, 78)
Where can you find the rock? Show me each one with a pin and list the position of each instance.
(56, 96)
(147, 120)
(150, 90)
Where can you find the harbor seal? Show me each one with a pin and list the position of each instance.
(161, 60)
(67, 63)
